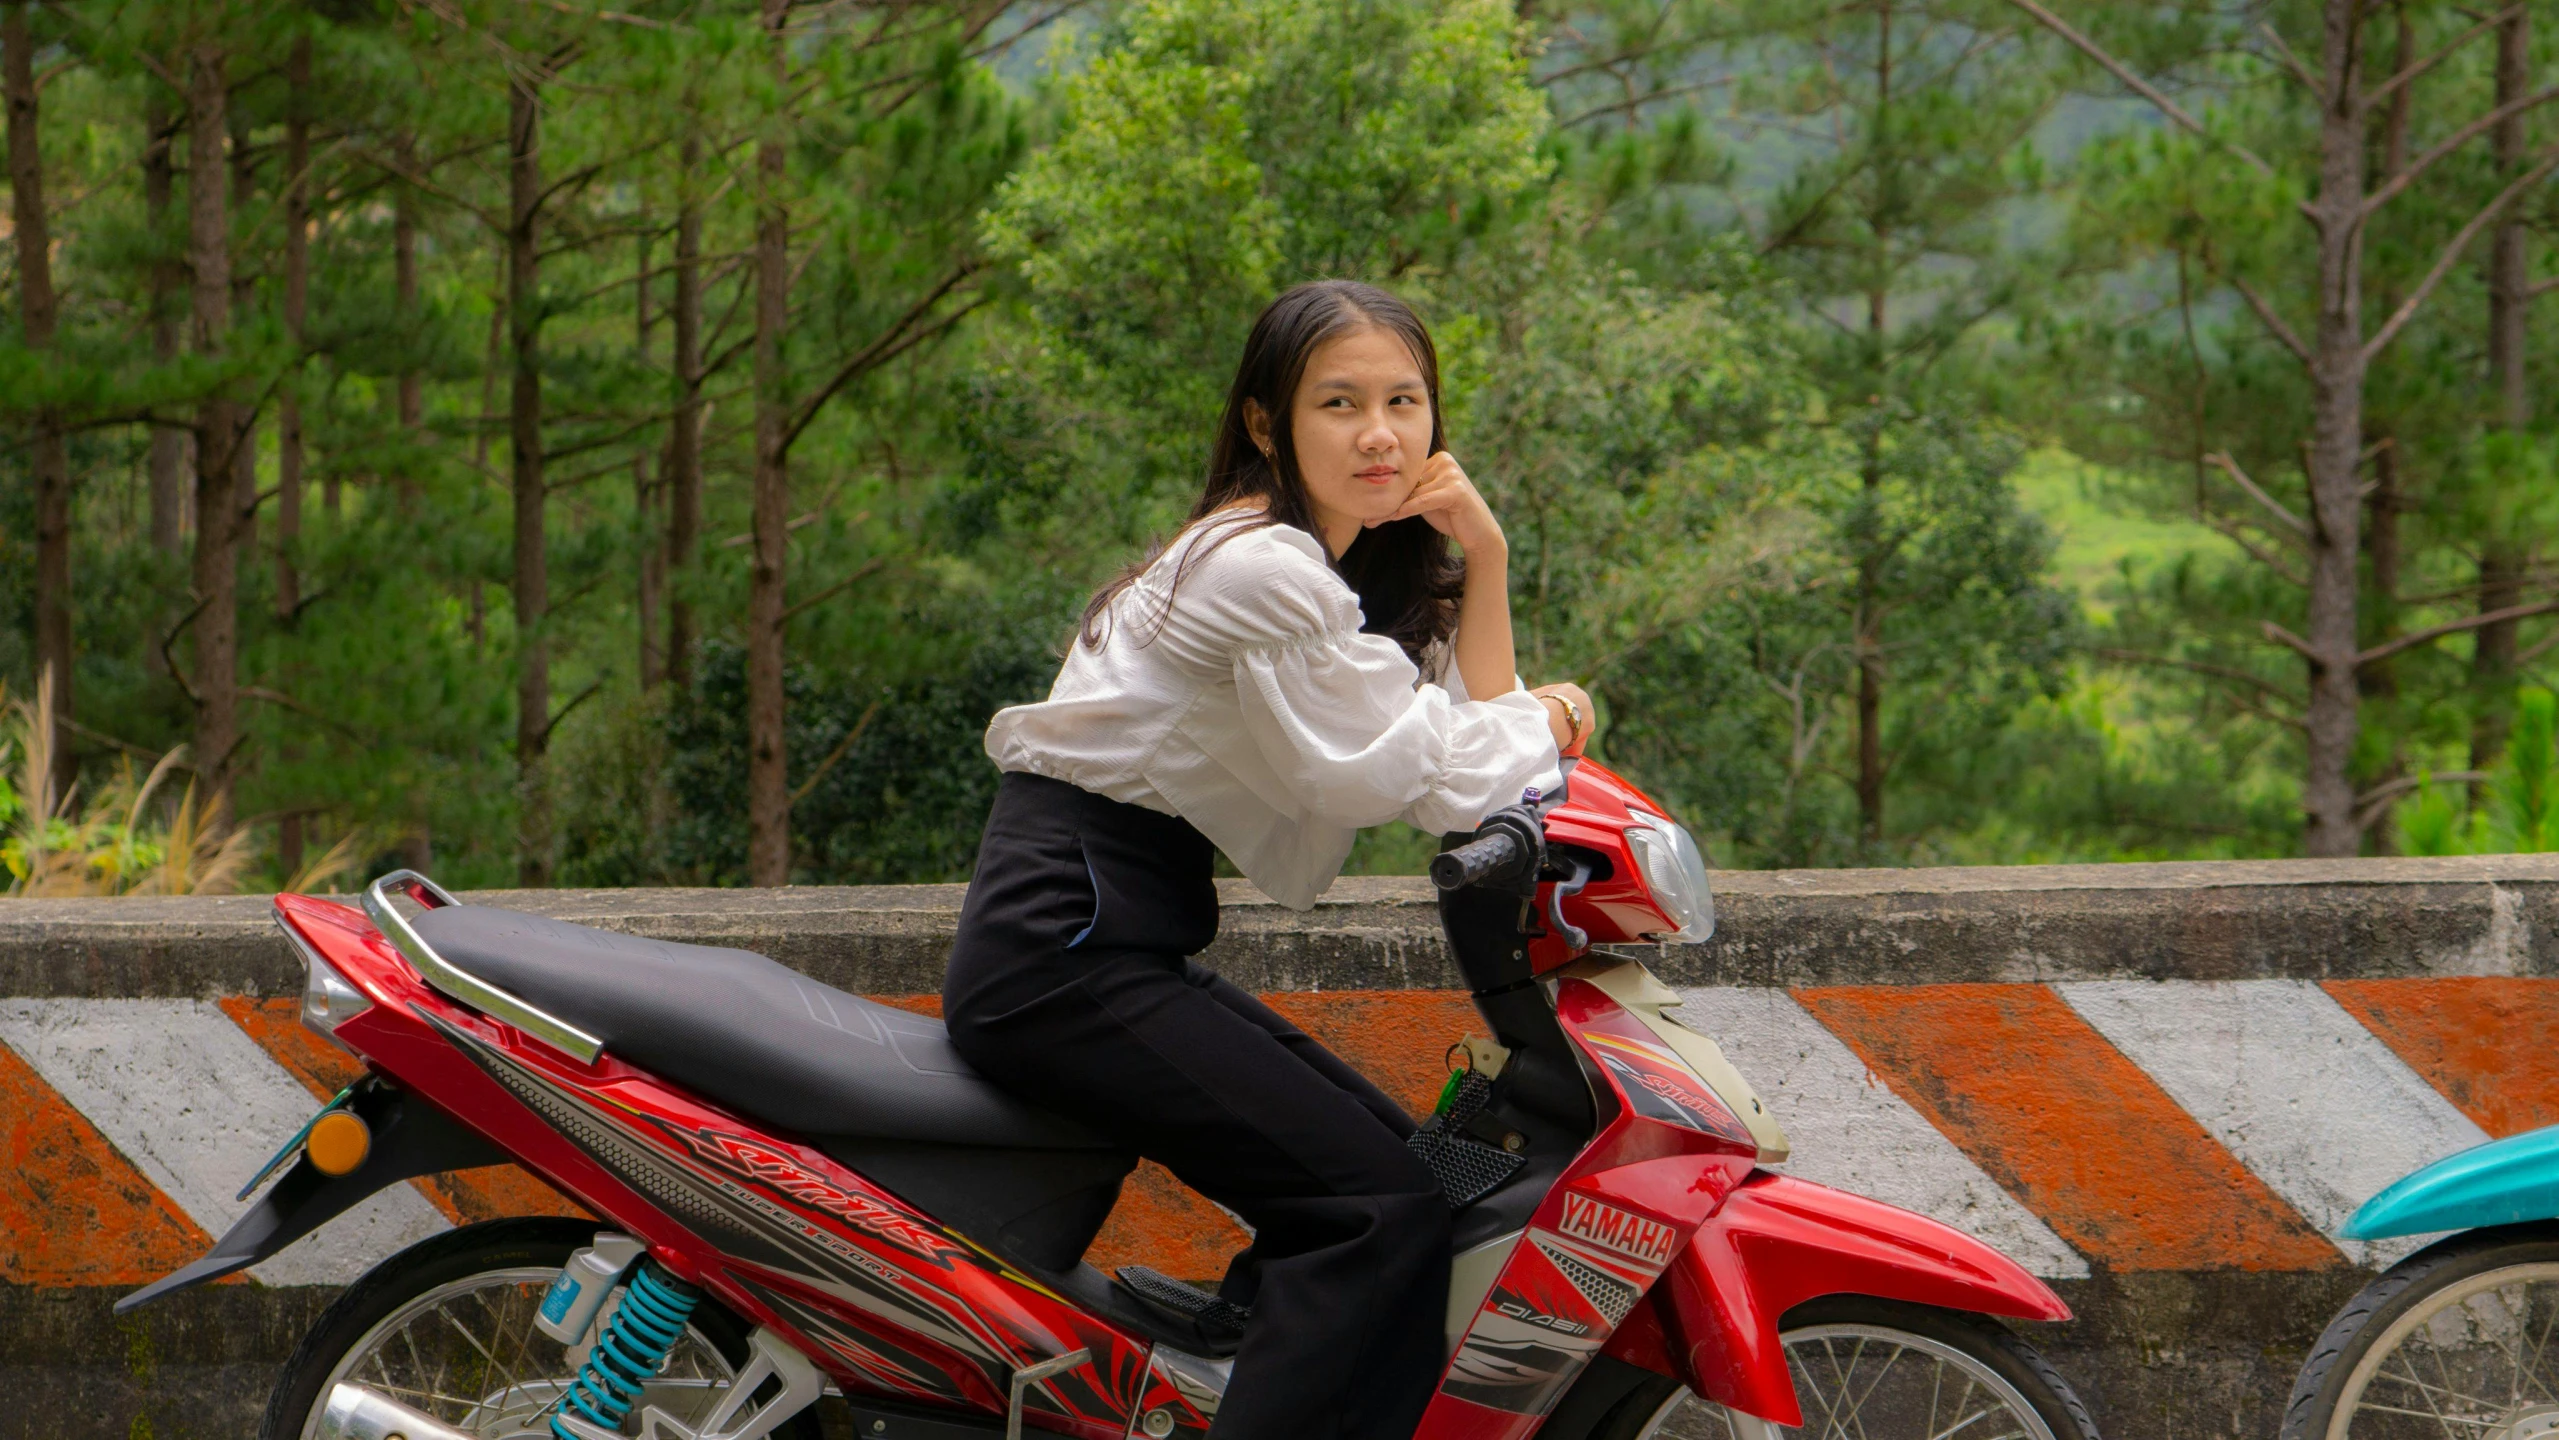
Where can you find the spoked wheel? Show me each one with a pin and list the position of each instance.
(2457, 1342)
(445, 1327)
(1867, 1369)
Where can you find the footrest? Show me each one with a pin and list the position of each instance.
(1215, 1315)
(1467, 1168)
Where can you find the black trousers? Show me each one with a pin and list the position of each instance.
(1070, 983)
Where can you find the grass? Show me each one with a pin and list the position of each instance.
(2097, 531)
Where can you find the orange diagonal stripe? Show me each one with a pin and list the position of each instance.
(1399, 1039)
(276, 1025)
(2481, 1040)
(72, 1210)
(464, 1196)
(2074, 1130)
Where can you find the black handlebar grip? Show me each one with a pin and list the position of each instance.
(1472, 861)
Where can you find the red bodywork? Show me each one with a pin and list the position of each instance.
(1615, 907)
(893, 1304)
(886, 1300)
(1778, 1242)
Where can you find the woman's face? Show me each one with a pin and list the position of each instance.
(1361, 424)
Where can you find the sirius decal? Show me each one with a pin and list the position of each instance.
(795, 1180)
(1623, 1231)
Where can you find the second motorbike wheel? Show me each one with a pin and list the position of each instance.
(1868, 1369)
(445, 1327)
(2454, 1340)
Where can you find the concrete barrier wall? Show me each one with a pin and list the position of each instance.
(2163, 1086)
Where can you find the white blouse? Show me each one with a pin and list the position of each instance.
(1255, 709)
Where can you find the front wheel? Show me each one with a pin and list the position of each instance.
(1869, 1369)
(2454, 1340)
(445, 1327)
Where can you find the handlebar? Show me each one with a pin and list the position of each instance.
(1471, 863)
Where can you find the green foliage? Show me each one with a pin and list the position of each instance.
(1209, 155)
(1764, 327)
(2522, 813)
(2191, 352)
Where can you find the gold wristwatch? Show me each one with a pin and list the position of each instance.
(1572, 714)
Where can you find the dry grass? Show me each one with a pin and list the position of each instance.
(116, 840)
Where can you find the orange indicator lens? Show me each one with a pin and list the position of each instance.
(339, 1142)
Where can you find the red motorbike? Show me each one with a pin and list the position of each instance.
(816, 1219)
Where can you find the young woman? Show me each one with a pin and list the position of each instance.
(1305, 658)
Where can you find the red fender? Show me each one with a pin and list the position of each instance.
(1778, 1242)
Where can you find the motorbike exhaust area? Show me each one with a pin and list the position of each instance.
(355, 1413)
(2162, 1089)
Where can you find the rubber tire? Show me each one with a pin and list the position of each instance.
(2399, 1289)
(473, 1249)
(1999, 1349)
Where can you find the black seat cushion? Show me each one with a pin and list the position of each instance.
(749, 1033)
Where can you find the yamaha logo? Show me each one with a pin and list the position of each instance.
(1623, 1231)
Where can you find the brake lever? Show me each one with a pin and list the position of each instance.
(1571, 934)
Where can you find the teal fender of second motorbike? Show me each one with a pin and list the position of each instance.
(2499, 1183)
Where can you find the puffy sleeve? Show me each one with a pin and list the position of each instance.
(1344, 719)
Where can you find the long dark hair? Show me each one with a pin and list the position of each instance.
(1403, 572)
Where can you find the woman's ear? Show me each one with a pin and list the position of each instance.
(1257, 423)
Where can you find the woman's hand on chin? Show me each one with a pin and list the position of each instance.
(1569, 700)
(1445, 497)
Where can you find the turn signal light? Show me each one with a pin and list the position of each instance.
(338, 1143)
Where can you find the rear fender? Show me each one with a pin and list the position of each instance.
(2499, 1183)
(410, 1138)
(1778, 1242)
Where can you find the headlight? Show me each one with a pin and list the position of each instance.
(328, 998)
(1675, 873)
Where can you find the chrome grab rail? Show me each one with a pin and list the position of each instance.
(462, 985)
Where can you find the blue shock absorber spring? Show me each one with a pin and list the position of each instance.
(655, 1307)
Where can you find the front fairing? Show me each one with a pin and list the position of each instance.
(2499, 1183)
(1666, 1154)
(1645, 998)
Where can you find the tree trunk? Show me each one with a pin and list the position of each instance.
(2386, 501)
(768, 800)
(297, 288)
(168, 442)
(288, 415)
(217, 576)
(524, 426)
(684, 434)
(493, 353)
(244, 289)
(409, 389)
(1869, 636)
(647, 535)
(2335, 449)
(2495, 653)
(36, 301)
(1869, 654)
(2502, 560)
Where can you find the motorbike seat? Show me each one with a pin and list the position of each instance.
(749, 1033)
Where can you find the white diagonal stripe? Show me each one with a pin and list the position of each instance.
(1852, 1132)
(2304, 1095)
(195, 1105)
